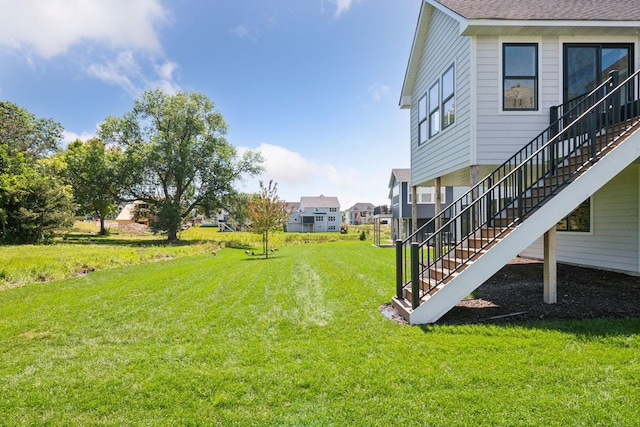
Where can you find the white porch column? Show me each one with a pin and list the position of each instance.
(550, 267)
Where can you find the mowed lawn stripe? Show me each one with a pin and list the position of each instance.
(297, 339)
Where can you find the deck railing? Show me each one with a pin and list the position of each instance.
(512, 191)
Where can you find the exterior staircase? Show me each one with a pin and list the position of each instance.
(586, 145)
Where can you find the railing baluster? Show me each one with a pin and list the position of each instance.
(399, 270)
(415, 274)
(569, 142)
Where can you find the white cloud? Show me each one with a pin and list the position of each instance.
(378, 90)
(124, 31)
(51, 27)
(68, 136)
(342, 5)
(119, 72)
(241, 31)
(126, 72)
(298, 176)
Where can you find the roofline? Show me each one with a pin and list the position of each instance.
(470, 27)
(402, 101)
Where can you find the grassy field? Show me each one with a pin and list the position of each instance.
(83, 251)
(296, 340)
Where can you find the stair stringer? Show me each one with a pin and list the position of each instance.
(528, 231)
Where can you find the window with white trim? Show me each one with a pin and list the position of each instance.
(434, 109)
(579, 220)
(448, 97)
(423, 134)
(437, 107)
(520, 76)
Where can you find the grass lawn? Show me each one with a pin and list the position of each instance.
(296, 340)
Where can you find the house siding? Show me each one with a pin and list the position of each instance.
(613, 241)
(501, 133)
(450, 149)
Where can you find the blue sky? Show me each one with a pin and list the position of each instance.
(312, 84)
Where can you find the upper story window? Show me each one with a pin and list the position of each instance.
(448, 98)
(520, 76)
(437, 108)
(422, 120)
(434, 109)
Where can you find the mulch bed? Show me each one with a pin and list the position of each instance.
(515, 294)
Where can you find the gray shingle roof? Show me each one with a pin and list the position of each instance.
(362, 207)
(320, 202)
(402, 174)
(556, 10)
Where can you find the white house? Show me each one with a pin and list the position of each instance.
(485, 81)
(314, 214)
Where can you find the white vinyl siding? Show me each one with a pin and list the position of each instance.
(449, 150)
(613, 241)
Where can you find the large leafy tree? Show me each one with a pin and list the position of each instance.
(267, 213)
(176, 156)
(93, 171)
(34, 202)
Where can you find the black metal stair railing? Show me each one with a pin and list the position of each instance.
(484, 214)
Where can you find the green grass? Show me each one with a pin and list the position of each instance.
(82, 251)
(296, 340)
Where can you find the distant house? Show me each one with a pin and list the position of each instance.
(314, 214)
(400, 195)
(130, 214)
(360, 213)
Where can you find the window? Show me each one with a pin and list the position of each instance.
(319, 218)
(333, 209)
(332, 218)
(332, 228)
(520, 76)
(579, 220)
(434, 109)
(437, 108)
(422, 120)
(448, 98)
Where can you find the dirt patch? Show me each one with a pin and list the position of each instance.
(515, 294)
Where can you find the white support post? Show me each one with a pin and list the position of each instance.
(550, 267)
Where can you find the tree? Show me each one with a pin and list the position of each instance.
(176, 156)
(34, 202)
(93, 172)
(267, 213)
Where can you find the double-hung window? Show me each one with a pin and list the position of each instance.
(437, 108)
(423, 135)
(520, 76)
(448, 98)
(434, 109)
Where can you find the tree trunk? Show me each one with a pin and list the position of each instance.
(172, 234)
(266, 244)
(103, 231)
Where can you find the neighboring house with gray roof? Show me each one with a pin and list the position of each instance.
(400, 197)
(314, 214)
(487, 78)
(360, 213)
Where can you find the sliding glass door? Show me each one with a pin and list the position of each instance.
(587, 65)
